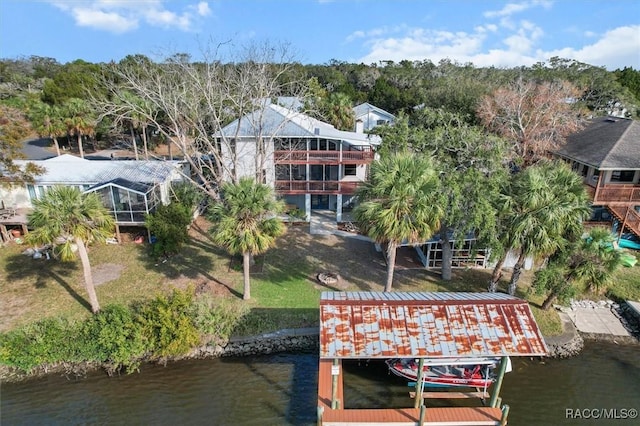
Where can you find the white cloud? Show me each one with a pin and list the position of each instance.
(616, 48)
(120, 16)
(514, 8)
(108, 21)
(203, 9)
(419, 44)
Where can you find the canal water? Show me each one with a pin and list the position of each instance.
(281, 390)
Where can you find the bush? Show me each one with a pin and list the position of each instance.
(217, 318)
(120, 337)
(168, 326)
(45, 342)
(297, 214)
(187, 194)
(115, 338)
(169, 225)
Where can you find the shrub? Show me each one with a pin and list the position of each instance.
(168, 326)
(217, 318)
(186, 194)
(116, 337)
(45, 342)
(169, 225)
(297, 214)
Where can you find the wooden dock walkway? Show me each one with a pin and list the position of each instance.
(436, 416)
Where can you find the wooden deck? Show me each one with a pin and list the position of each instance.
(441, 416)
(621, 200)
(16, 220)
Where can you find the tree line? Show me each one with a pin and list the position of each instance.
(468, 153)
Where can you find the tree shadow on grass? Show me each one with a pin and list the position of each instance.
(196, 260)
(189, 262)
(21, 268)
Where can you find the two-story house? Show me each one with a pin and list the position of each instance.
(310, 164)
(607, 154)
(128, 189)
(369, 116)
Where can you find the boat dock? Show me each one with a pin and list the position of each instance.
(440, 416)
(425, 327)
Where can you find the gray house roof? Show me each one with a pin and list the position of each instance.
(276, 121)
(607, 143)
(68, 169)
(366, 108)
(138, 187)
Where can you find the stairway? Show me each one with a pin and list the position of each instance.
(628, 216)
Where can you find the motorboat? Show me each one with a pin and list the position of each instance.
(449, 372)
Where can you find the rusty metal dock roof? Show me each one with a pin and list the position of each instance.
(428, 325)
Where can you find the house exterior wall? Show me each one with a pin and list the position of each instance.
(591, 175)
(15, 196)
(245, 160)
(372, 119)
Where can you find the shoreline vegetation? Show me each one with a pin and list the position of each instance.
(47, 328)
(570, 343)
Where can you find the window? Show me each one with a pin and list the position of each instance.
(585, 170)
(350, 169)
(622, 175)
(32, 192)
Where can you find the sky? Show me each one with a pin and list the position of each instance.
(485, 33)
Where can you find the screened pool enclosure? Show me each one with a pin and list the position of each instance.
(127, 201)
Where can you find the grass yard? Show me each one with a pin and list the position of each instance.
(285, 291)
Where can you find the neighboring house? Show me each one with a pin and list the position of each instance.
(369, 116)
(310, 164)
(128, 189)
(607, 154)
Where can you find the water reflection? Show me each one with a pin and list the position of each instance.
(281, 390)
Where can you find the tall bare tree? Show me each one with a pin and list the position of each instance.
(13, 129)
(535, 116)
(189, 103)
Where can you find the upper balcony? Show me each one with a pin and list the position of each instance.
(355, 156)
(294, 187)
(612, 194)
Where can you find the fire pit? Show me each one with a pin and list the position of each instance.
(328, 278)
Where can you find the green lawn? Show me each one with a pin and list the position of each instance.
(285, 292)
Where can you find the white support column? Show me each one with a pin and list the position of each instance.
(339, 208)
(307, 206)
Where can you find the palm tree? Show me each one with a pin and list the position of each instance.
(246, 222)
(399, 204)
(591, 262)
(339, 111)
(66, 217)
(545, 203)
(78, 121)
(47, 120)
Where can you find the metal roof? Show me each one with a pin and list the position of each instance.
(68, 169)
(366, 108)
(426, 325)
(277, 121)
(137, 187)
